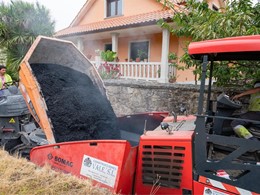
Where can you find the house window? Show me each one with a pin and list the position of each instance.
(114, 8)
(139, 49)
(108, 47)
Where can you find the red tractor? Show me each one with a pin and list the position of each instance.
(160, 154)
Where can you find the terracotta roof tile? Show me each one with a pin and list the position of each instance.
(118, 22)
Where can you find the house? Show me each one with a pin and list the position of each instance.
(129, 27)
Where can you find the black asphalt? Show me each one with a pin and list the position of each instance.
(77, 109)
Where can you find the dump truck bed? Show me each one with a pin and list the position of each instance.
(47, 50)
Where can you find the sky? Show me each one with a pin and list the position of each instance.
(62, 11)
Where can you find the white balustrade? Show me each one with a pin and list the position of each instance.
(139, 70)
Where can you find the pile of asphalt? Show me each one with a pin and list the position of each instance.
(76, 107)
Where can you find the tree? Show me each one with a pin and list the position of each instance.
(20, 24)
(196, 20)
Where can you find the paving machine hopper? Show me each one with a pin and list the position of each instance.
(52, 51)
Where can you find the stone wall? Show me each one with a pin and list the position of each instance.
(130, 96)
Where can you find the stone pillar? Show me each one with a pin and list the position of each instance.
(164, 58)
(80, 44)
(115, 42)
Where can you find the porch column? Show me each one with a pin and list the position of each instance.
(97, 58)
(115, 42)
(80, 44)
(164, 58)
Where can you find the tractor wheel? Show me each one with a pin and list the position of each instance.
(16, 147)
(11, 144)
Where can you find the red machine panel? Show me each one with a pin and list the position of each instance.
(164, 164)
(111, 163)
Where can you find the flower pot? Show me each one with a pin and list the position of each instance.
(172, 80)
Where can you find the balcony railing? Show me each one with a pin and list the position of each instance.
(139, 70)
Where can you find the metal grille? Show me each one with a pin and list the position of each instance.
(162, 164)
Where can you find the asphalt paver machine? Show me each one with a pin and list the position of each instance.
(157, 153)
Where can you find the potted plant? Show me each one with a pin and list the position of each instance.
(141, 55)
(108, 56)
(173, 66)
(159, 73)
(108, 70)
(172, 79)
(172, 57)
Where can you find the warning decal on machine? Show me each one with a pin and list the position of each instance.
(209, 191)
(12, 120)
(99, 170)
